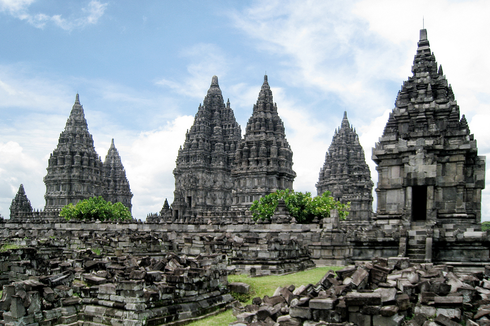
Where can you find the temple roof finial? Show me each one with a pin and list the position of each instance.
(77, 99)
(423, 34)
(214, 81)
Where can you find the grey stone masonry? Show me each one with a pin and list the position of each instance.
(20, 204)
(74, 167)
(203, 167)
(76, 172)
(117, 187)
(346, 174)
(263, 160)
(427, 159)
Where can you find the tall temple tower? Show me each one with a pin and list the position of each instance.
(116, 184)
(203, 167)
(75, 170)
(20, 204)
(346, 174)
(264, 160)
(427, 159)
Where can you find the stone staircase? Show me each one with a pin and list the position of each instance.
(417, 236)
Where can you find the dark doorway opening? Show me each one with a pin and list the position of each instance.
(419, 203)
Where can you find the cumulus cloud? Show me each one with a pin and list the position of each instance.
(149, 161)
(205, 61)
(20, 10)
(18, 167)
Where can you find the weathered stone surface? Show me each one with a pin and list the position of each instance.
(202, 174)
(239, 287)
(327, 303)
(346, 174)
(361, 299)
(394, 320)
(263, 154)
(75, 171)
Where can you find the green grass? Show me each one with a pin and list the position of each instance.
(223, 318)
(266, 285)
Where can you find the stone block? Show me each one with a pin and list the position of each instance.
(329, 316)
(387, 294)
(427, 311)
(239, 287)
(327, 303)
(445, 321)
(370, 310)
(360, 319)
(246, 317)
(360, 278)
(448, 301)
(453, 313)
(48, 294)
(388, 311)
(17, 308)
(300, 312)
(287, 320)
(360, 299)
(395, 320)
(108, 288)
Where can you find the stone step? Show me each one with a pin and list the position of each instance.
(416, 243)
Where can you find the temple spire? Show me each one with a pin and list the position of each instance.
(214, 81)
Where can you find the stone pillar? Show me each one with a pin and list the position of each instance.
(431, 211)
(428, 249)
(408, 218)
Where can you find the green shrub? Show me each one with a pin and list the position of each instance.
(300, 205)
(485, 226)
(96, 208)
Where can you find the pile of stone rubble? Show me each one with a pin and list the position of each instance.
(389, 292)
(122, 290)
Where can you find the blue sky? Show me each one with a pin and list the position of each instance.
(142, 68)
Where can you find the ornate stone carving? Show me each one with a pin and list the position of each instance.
(75, 170)
(346, 174)
(203, 167)
(116, 184)
(263, 160)
(20, 204)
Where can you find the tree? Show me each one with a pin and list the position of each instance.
(485, 226)
(300, 205)
(96, 208)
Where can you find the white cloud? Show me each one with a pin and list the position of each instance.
(149, 161)
(20, 9)
(18, 167)
(13, 6)
(205, 61)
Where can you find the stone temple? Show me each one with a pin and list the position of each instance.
(264, 160)
(203, 179)
(346, 174)
(430, 176)
(76, 172)
(20, 204)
